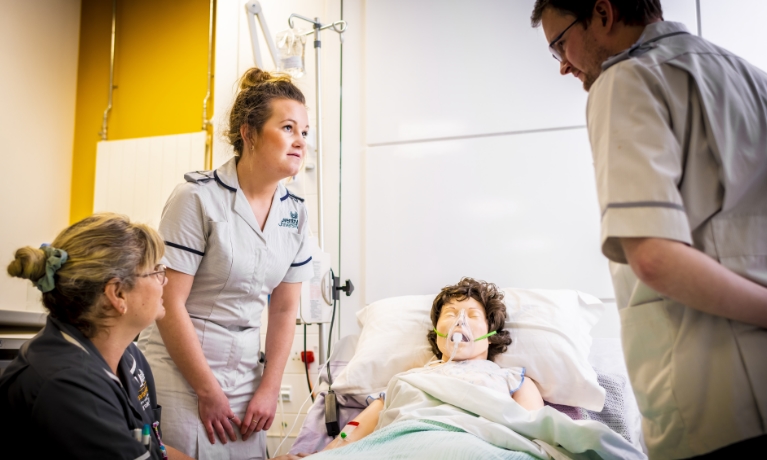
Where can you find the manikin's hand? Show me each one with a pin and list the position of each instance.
(260, 413)
(216, 416)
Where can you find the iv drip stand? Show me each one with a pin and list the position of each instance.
(338, 27)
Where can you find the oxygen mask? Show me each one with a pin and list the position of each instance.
(459, 337)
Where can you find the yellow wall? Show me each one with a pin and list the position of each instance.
(161, 64)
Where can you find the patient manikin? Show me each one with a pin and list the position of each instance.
(468, 333)
(468, 320)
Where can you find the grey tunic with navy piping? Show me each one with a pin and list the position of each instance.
(678, 129)
(211, 233)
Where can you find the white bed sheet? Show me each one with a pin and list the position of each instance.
(606, 356)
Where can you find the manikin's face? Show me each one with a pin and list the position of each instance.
(581, 53)
(476, 320)
(280, 146)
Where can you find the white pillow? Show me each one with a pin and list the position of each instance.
(549, 329)
(550, 333)
(392, 340)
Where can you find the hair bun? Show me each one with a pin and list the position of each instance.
(29, 264)
(254, 77)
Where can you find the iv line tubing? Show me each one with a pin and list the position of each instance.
(317, 86)
(338, 26)
(205, 121)
(104, 126)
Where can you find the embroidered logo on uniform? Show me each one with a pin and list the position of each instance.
(143, 391)
(292, 222)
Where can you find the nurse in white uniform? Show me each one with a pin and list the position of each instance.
(235, 236)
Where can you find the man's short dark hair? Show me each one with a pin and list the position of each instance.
(630, 12)
(490, 297)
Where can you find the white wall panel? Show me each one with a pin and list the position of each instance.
(518, 210)
(446, 68)
(738, 26)
(38, 86)
(136, 176)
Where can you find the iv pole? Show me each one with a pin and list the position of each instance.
(338, 27)
(254, 9)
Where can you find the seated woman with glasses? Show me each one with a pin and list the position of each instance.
(81, 388)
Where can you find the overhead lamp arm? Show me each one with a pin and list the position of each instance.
(254, 9)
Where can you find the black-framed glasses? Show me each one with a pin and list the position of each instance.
(553, 46)
(158, 273)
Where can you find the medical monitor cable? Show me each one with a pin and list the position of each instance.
(282, 415)
(332, 320)
(290, 428)
(332, 425)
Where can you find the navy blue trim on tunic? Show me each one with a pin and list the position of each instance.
(231, 189)
(288, 194)
(644, 204)
(178, 246)
(302, 263)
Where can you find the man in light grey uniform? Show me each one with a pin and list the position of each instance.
(678, 129)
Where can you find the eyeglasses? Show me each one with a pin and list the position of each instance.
(158, 273)
(555, 48)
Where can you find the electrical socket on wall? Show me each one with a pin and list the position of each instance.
(285, 391)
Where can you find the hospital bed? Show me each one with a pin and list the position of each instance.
(579, 376)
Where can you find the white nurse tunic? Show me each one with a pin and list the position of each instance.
(211, 233)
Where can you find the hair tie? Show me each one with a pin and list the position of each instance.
(55, 259)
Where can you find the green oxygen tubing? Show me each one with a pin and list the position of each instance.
(476, 340)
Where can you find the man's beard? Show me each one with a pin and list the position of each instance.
(599, 55)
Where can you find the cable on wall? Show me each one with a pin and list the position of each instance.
(104, 125)
(205, 120)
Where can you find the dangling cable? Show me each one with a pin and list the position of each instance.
(306, 367)
(330, 334)
(300, 409)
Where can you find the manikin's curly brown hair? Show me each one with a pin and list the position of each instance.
(486, 294)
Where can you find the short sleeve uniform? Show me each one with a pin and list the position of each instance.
(678, 129)
(59, 399)
(211, 233)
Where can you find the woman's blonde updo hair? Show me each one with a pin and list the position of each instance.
(253, 105)
(100, 248)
